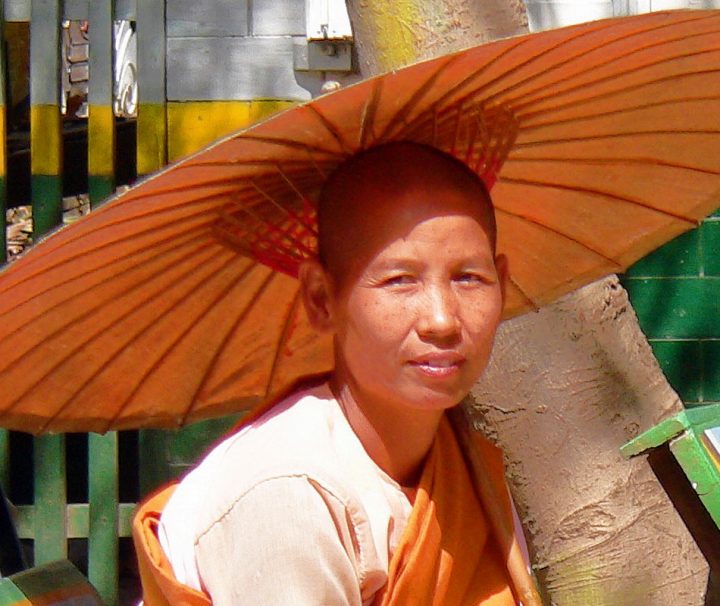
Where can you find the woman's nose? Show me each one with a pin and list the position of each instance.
(438, 315)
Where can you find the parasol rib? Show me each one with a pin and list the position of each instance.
(597, 192)
(49, 251)
(620, 161)
(83, 344)
(538, 73)
(161, 252)
(477, 130)
(630, 133)
(316, 166)
(285, 211)
(330, 128)
(230, 182)
(542, 91)
(450, 112)
(299, 164)
(617, 266)
(56, 415)
(368, 114)
(399, 119)
(603, 45)
(596, 27)
(615, 112)
(231, 189)
(284, 234)
(153, 368)
(528, 300)
(291, 143)
(284, 336)
(193, 253)
(221, 348)
(433, 110)
(583, 32)
(286, 177)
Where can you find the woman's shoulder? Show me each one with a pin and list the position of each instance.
(296, 438)
(300, 456)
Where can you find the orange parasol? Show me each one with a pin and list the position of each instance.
(172, 302)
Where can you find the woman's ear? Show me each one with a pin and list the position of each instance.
(317, 295)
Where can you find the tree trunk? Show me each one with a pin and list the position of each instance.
(392, 33)
(566, 387)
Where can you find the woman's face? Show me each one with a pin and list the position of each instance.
(414, 313)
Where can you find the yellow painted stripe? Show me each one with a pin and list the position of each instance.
(262, 108)
(393, 26)
(194, 124)
(151, 138)
(101, 141)
(45, 140)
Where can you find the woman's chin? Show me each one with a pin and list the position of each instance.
(433, 398)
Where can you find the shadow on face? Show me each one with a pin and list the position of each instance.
(380, 195)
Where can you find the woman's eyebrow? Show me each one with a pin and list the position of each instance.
(392, 262)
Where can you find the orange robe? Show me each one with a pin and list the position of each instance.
(459, 547)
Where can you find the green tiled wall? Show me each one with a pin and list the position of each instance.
(676, 294)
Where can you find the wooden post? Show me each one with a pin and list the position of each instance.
(50, 499)
(45, 118)
(152, 117)
(4, 434)
(3, 154)
(103, 497)
(4, 458)
(101, 122)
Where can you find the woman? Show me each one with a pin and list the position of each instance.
(352, 490)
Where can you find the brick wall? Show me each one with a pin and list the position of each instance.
(676, 294)
(230, 63)
(233, 49)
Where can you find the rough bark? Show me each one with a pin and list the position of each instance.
(567, 386)
(389, 35)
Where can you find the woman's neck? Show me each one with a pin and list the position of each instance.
(397, 439)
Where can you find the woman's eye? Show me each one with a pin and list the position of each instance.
(469, 278)
(398, 280)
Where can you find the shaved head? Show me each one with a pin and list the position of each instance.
(379, 193)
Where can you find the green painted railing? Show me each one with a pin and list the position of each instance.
(51, 521)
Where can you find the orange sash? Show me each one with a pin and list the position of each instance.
(160, 588)
(457, 549)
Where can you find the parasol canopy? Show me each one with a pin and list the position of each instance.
(175, 301)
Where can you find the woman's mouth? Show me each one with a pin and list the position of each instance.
(438, 366)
